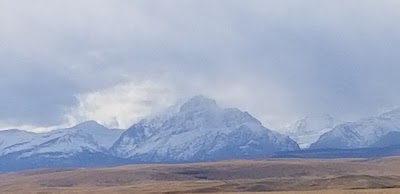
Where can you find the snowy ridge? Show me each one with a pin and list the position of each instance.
(10, 140)
(87, 136)
(361, 134)
(66, 145)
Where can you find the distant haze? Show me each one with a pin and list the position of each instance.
(63, 62)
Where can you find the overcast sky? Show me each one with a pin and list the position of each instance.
(63, 62)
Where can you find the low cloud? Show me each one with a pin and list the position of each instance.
(122, 105)
(118, 61)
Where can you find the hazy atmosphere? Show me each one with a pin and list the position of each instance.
(116, 62)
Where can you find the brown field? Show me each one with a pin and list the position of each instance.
(264, 176)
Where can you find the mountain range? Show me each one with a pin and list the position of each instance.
(199, 131)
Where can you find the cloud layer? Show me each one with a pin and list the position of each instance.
(117, 61)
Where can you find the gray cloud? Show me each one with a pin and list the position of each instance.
(277, 59)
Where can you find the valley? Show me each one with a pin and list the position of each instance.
(380, 175)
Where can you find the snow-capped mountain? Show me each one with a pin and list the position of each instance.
(200, 131)
(67, 145)
(103, 136)
(87, 136)
(361, 134)
(309, 129)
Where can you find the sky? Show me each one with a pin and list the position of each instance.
(116, 62)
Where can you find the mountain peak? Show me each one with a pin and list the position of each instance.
(88, 125)
(199, 103)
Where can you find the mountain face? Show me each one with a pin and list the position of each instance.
(309, 129)
(388, 140)
(63, 143)
(200, 131)
(361, 134)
